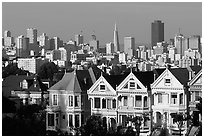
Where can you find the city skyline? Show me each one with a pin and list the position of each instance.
(99, 19)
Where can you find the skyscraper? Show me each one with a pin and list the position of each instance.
(157, 28)
(43, 41)
(79, 39)
(93, 43)
(32, 35)
(116, 40)
(22, 46)
(129, 44)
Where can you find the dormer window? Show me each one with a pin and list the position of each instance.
(167, 82)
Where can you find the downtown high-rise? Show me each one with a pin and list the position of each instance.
(116, 39)
(157, 32)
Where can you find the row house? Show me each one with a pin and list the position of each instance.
(68, 101)
(119, 97)
(195, 91)
(170, 95)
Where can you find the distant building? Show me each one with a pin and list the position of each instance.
(32, 35)
(122, 58)
(194, 43)
(79, 39)
(43, 41)
(109, 48)
(31, 64)
(56, 42)
(8, 40)
(22, 46)
(157, 32)
(129, 45)
(116, 40)
(93, 43)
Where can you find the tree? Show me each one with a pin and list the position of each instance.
(94, 126)
(12, 69)
(179, 119)
(137, 120)
(47, 70)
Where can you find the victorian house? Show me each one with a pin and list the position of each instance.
(68, 101)
(103, 97)
(195, 90)
(169, 92)
(133, 98)
(117, 98)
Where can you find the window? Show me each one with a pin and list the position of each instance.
(57, 119)
(159, 97)
(114, 103)
(109, 103)
(145, 101)
(168, 82)
(70, 101)
(70, 121)
(181, 98)
(76, 101)
(125, 101)
(173, 98)
(24, 84)
(51, 120)
(132, 85)
(82, 119)
(54, 99)
(102, 87)
(138, 101)
(197, 96)
(76, 120)
(63, 117)
(97, 103)
(103, 103)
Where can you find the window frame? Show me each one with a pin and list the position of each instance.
(102, 84)
(167, 83)
(132, 83)
(55, 100)
(97, 98)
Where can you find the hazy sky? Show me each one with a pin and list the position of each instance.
(133, 19)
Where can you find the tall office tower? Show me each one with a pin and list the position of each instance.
(43, 41)
(178, 42)
(56, 42)
(63, 54)
(52, 43)
(157, 28)
(194, 43)
(93, 43)
(79, 39)
(116, 39)
(8, 40)
(109, 48)
(7, 33)
(129, 45)
(32, 35)
(185, 45)
(22, 46)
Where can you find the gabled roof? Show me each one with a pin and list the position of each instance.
(76, 81)
(196, 69)
(195, 77)
(146, 78)
(182, 75)
(115, 80)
